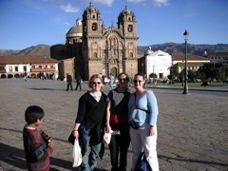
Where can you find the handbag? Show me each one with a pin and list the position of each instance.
(134, 125)
(77, 155)
(142, 164)
(71, 138)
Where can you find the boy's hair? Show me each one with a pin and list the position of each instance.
(33, 113)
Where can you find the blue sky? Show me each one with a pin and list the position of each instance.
(27, 23)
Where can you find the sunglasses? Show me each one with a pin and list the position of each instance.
(122, 79)
(96, 83)
(135, 81)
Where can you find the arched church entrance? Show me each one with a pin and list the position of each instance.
(114, 71)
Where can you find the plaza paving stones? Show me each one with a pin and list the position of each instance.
(192, 129)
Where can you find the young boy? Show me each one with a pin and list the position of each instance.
(37, 152)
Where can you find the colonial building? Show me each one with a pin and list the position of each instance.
(158, 63)
(194, 62)
(17, 66)
(102, 50)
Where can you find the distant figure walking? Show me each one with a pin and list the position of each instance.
(111, 82)
(78, 82)
(69, 82)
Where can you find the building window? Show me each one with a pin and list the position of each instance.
(16, 68)
(40, 66)
(24, 68)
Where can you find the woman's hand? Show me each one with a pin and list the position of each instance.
(152, 130)
(108, 128)
(75, 133)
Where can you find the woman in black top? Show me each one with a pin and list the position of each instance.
(117, 121)
(90, 122)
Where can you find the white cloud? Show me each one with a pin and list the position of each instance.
(105, 2)
(155, 2)
(160, 2)
(69, 8)
(67, 23)
(136, 1)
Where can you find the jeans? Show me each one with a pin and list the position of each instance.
(111, 84)
(141, 141)
(89, 160)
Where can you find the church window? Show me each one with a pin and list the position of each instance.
(94, 26)
(129, 18)
(130, 28)
(131, 55)
(95, 54)
(94, 17)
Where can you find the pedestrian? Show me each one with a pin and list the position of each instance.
(90, 123)
(37, 152)
(69, 82)
(117, 121)
(143, 113)
(78, 82)
(111, 81)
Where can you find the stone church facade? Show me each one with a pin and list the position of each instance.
(103, 50)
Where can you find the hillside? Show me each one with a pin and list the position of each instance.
(180, 48)
(166, 47)
(32, 50)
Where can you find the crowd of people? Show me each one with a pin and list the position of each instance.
(130, 117)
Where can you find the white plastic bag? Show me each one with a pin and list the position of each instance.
(77, 155)
(107, 137)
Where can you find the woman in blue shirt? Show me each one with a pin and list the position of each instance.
(143, 113)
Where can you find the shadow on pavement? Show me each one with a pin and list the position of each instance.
(192, 160)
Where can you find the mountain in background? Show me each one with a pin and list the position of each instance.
(180, 48)
(170, 48)
(40, 49)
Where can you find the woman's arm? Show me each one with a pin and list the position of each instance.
(75, 130)
(108, 127)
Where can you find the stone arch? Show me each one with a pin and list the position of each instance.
(17, 75)
(10, 76)
(3, 76)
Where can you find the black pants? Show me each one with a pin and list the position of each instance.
(78, 85)
(69, 84)
(118, 147)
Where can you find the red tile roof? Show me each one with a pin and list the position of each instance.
(26, 59)
(180, 56)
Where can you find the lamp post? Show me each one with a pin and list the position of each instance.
(185, 68)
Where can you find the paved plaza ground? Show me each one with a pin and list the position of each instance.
(192, 129)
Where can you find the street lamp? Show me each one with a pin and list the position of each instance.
(185, 69)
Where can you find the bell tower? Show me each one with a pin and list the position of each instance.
(127, 22)
(92, 23)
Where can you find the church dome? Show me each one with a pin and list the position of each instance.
(126, 11)
(149, 51)
(91, 9)
(75, 30)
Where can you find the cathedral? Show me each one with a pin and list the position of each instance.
(97, 49)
